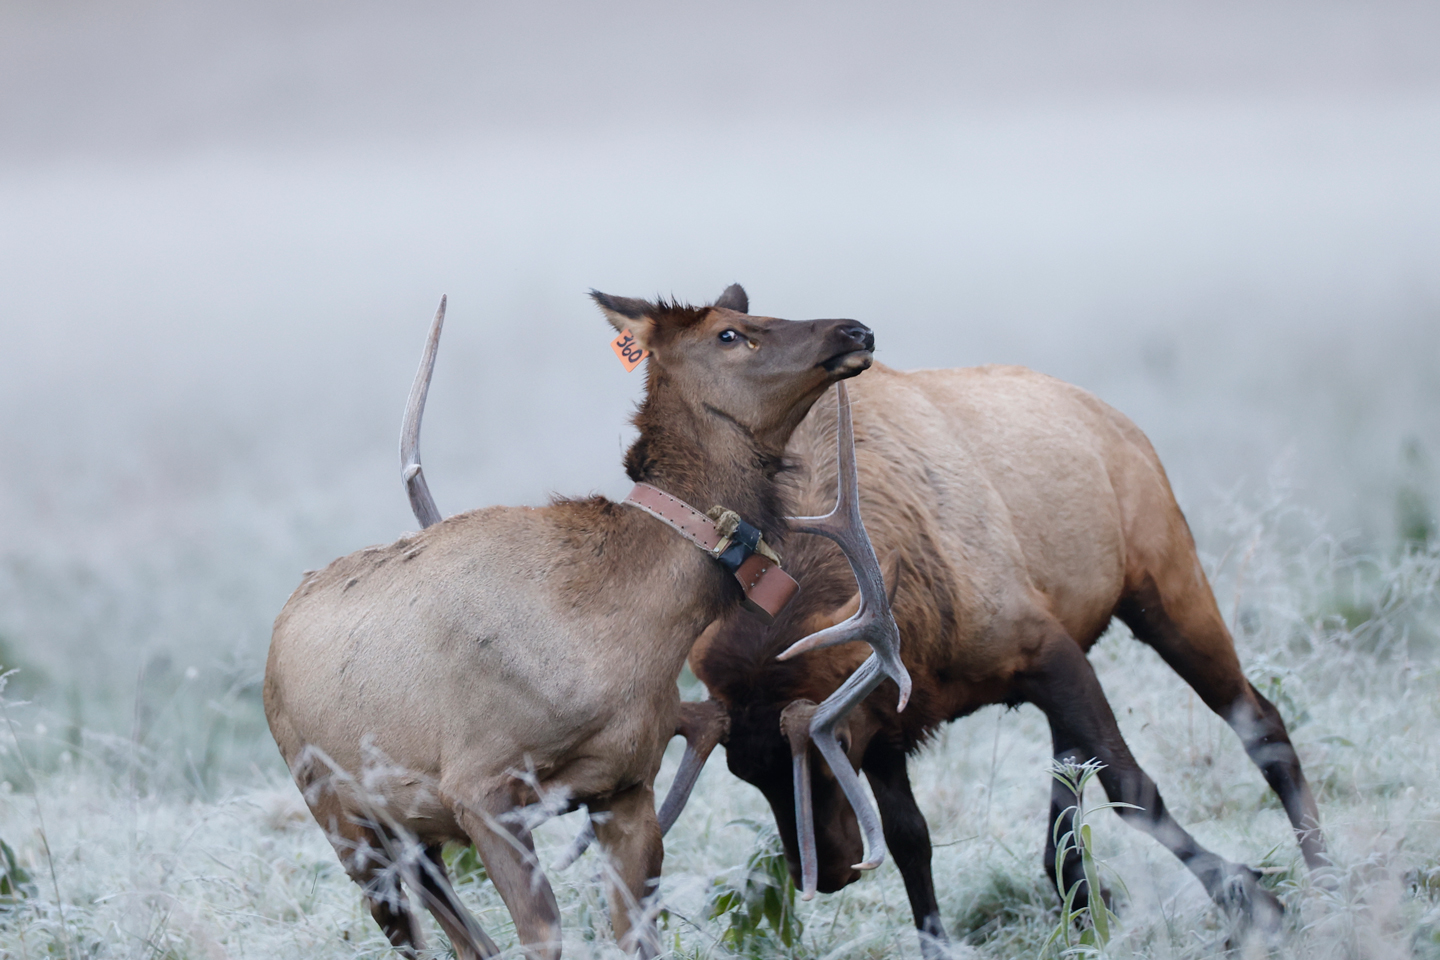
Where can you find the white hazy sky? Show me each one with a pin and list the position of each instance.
(223, 229)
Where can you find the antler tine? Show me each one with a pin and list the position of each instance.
(802, 721)
(421, 502)
(873, 622)
(704, 725)
(795, 726)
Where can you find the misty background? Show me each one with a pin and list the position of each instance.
(224, 229)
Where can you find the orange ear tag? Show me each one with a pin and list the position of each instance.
(628, 350)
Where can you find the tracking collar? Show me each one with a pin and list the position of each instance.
(739, 546)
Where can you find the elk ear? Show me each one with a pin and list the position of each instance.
(627, 314)
(733, 298)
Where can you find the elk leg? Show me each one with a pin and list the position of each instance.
(1062, 683)
(391, 910)
(507, 849)
(1190, 635)
(465, 933)
(632, 842)
(908, 837)
(367, 858)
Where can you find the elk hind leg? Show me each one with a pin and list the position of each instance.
(373, 860)
(1186, 629)
(1062, 683)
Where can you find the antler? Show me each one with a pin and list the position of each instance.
(410, 470)
(873, 623)
(704, 725)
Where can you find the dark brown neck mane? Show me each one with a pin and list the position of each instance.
(705, 457)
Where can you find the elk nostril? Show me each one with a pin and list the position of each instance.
(861, 335)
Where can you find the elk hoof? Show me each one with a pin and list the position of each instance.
(1253, 907)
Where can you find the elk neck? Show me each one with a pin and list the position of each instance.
(704, 456)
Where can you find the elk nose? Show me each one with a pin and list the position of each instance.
(859, 334)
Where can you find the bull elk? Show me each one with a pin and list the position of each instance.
(1020, 515)
(512, 660)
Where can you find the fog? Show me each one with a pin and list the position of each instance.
(224, 228)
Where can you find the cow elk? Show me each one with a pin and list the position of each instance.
(1018, 515)
(467, 679)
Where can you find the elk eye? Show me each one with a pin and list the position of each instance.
(728, 336)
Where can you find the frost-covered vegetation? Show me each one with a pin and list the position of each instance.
(223, 227)
(183, 837)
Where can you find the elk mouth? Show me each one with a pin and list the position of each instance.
(849, 363)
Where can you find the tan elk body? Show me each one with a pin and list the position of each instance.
(1005, 497)
(509, 656)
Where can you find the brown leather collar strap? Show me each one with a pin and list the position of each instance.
(767, 588)
(677, 514)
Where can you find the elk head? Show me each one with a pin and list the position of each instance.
(761, 748)
(761, 375)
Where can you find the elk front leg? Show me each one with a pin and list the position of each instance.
(908, 837)
(631, 839)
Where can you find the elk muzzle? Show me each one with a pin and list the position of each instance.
(854, 345)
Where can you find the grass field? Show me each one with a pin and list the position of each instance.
(224, 227)
(184, 838)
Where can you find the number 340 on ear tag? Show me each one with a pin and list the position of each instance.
(629, 352)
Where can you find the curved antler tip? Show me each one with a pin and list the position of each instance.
(868, 864)
(795, 649)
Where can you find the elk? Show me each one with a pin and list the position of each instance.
(1019, 516)
(508, 662)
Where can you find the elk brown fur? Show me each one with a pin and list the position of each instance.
(1020, 515)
